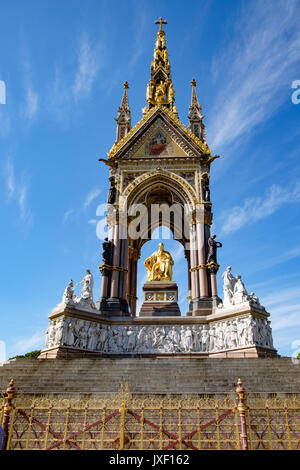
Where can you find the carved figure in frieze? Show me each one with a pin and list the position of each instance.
(219, 339)
(197, 337)
(102, 337)
(92, 337)
(212, 338)
(70, 333)
(187, 339)
(241, 331)
(131, 339)
(50, 334)
(176, 338)
(233, 335)
(254, 328)
(227, 335)
(81, 341)
(205, 338)
(159, 336)
(142, 339)
(59, 331)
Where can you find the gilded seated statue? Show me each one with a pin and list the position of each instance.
(160, 265)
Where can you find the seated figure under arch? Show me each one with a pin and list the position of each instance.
(160, 265)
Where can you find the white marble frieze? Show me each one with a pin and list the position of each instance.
(221, 335)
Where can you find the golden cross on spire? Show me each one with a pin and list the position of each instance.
(160, 22)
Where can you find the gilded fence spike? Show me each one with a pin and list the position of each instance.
(242, 408)
(8, 406)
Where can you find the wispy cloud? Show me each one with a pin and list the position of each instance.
(256, 208)
(255, 68)
(139, 30)
(24, 345)
(9, 176)
(30, 105)
(22, 199)
(88, 66)
(71, 86)
(5, 121)
(67, 215)
(91, 196)
(17, 187)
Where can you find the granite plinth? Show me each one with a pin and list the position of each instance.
(160, 299)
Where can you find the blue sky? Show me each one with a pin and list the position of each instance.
(64, 64)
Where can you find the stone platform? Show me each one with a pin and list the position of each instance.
(238, 331)
(152, 375)
(160, 299)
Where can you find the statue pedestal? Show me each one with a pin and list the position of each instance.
(160, 299)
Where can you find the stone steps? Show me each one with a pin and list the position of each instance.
(146, 375)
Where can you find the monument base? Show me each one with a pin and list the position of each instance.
(160, 299)
(237, 331)
(62, 352)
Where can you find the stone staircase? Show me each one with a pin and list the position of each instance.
(152, 375)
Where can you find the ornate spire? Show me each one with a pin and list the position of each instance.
(124, 116)
(195, 114)
(160, 90)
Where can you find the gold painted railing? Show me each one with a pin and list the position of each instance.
(124, 421)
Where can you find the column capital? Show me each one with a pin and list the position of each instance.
(134, 253)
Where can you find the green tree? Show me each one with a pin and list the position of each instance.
(32, 354)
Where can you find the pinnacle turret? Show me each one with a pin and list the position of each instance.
(160, 90)
(124, 115)
(195, 114)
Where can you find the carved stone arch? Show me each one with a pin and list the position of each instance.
(177, 185)
(146, 235)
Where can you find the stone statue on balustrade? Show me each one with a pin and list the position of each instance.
(254, 299)
(228, 287)
(69, 297)
(240, 294)
(87, 289)
(85, 301)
